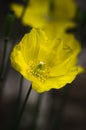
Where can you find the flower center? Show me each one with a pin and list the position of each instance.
(40, 70)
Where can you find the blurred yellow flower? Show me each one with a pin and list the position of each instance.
(39, 12)
(65, 9)
(54, 29)
(35, 12)
(46, 63)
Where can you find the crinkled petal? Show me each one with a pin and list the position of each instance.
(57, 82)
(35, 45)
(57, 28)
(17, 60)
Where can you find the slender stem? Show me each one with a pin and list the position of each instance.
(18, 99)
(8, 25)
(20, 91)
(3, 58)
(22, 109)
(36, 113)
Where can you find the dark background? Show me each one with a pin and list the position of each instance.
(63, 109)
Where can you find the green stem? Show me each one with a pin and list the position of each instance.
(3, 59)
(36, 113)
(18, 99)
(8, 25)
(20, 91)
(22, 109)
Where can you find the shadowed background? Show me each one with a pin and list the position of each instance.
(63, 109)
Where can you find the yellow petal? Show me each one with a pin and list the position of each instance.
(34, 45)
(57, 28)
(17, 59)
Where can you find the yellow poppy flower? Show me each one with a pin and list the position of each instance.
(39, 12)
(46, 63)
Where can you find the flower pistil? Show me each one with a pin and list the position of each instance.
(39, 70)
